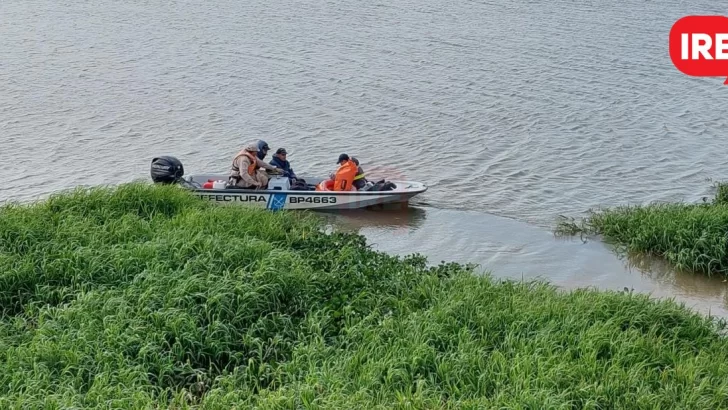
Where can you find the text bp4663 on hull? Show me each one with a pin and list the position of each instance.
(290, 199)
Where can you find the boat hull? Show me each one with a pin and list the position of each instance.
(302, 199)
(299, 200)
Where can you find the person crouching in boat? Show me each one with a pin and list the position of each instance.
(360, 180)
(245, 172)
(343, 178)
(280, 160)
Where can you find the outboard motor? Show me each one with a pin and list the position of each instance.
(166, 170)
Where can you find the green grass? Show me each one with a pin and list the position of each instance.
(692, 237)
(143, 297)
(721, 195)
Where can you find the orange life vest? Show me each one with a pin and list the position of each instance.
(325, 185)
(253, 162)
(328, 185)
(344, 178)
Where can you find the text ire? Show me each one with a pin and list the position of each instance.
(702, 44)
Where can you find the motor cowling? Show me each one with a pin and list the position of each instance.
(166, 170)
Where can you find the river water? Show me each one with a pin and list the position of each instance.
(512, 112)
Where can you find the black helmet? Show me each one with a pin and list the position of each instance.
(263, 149)
(342, 158)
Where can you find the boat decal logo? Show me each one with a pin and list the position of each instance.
(277, 201)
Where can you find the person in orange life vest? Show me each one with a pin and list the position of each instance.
(245, 172)
(344, 176)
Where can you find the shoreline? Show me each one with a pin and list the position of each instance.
(143, 296)
(690, 236)
(513, 249)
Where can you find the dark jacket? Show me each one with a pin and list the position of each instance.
(284, 165)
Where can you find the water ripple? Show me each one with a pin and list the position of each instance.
(549, 108)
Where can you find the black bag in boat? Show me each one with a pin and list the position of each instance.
(382, 185)
(299, 184)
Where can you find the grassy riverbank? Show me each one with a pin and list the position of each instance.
(690, 236)
(142, 296)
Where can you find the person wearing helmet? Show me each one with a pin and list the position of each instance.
(245, 172)
(263, 149)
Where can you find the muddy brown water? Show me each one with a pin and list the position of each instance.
(512, 249)
(512, 112)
